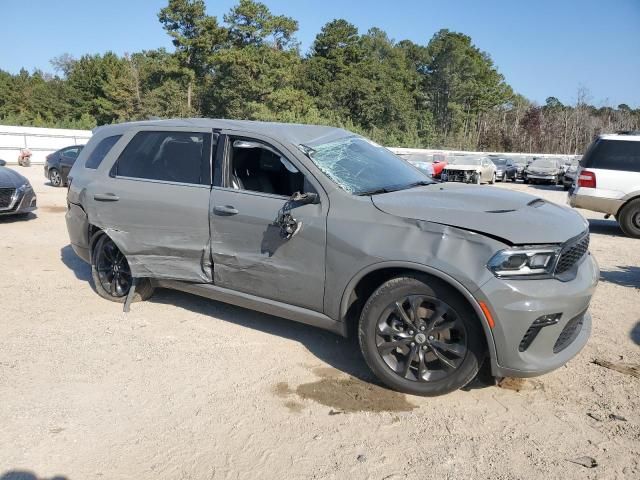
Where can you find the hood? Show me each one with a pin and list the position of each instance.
(542, 169)
(462, 167)
(517, 218)
(11, 179)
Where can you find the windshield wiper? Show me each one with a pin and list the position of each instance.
(418, 184)
(374, 191)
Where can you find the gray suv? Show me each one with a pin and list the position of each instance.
(322, 226)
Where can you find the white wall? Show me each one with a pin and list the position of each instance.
(41, 141)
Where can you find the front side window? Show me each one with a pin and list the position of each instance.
(100, 151)
(359, 166)
(182, 157)
(257, 167)
(71, 152)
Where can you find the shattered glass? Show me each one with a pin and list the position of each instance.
(358, 165)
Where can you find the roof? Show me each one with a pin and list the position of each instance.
(629, 136)
(293, 133)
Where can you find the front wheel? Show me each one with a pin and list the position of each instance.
(629, 218)
(111, 273)
(419, 336)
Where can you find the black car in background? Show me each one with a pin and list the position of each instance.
(16, 194)
(506, 169)
(59, 163)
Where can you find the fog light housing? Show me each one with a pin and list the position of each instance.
(537, 325)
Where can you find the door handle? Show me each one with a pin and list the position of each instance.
(106, 197)
(225, 210)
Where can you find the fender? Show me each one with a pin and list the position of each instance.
(344, 303)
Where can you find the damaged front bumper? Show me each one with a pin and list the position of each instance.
(539, 325)
(464, 176)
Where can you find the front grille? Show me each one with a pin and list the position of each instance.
(456, 175)
(569, 333)
(572, 254)
(5, 197)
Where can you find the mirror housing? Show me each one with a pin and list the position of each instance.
(2, 163)
(305, 198)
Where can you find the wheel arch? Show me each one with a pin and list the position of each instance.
(365, 282)
(628, 199)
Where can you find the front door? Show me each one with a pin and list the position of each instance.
(155, 202)
(250, 251)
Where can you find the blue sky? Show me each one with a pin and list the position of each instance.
(542, 47)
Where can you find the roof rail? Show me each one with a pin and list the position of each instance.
(628, 132)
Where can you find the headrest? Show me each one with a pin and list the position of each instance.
(269, 162)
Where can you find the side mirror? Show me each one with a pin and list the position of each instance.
(304, 198)
(2, 163)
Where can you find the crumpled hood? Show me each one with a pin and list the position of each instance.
(462, 167)
(10, 178)
(518, 218)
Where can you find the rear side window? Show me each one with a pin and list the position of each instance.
(182, 157)
(97, 155)
(613, 155)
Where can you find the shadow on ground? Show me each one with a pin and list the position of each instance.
(545, 186)
(341, 353)
(79, 267)
(605, 227)
(623, 276)
(20, 217)
(635, 334)
(26, 475)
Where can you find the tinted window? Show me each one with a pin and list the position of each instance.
(97, 155)
(170, 156)
(614, 155)
(259, 168)
(71, 152)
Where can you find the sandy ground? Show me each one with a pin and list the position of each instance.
(186, 388)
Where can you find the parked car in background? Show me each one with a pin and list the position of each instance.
(422, 161)
(609, 180)
(544, 170)
(58, 164)
(469, 169)
(520, 163)
(570, 173)
(16, 194)
(322, 226)
(505, 169)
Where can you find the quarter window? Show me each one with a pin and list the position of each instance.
(614, 155)
(181, 157)
(100, 151)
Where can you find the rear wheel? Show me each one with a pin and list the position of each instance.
(493, 179)
(112, 275)
(55, 178)
(629, 218)
(419, 336)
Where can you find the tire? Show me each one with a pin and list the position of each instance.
(110, 285)
(525, 180)
(493, 179)
(629, 218)
(55, 178)
(504, 178)
(387, 340)
(477, 179)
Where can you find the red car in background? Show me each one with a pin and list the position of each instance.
(434, 161)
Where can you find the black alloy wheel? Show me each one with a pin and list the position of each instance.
(113, 269)
(421, 338)
(112, 275)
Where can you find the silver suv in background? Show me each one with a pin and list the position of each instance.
(609, 180)
(322, 226)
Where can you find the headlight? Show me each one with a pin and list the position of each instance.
(518, 262)
(25, 187)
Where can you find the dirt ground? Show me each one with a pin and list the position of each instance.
(186, 388)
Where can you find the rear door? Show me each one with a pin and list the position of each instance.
(250, 253)
(153, 201)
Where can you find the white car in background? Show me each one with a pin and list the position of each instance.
(609, 180)
(469, 169)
